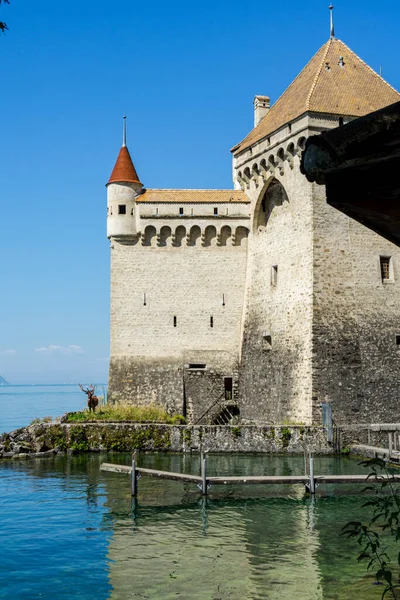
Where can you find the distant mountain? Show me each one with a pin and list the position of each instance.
(3, 381)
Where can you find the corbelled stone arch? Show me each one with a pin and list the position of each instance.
(194, 236)
(180, 236)
(164, 238)
(210, 236)
(225, 235)
(149, 237)
(273, 194)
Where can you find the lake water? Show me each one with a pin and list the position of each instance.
(20, 404)
(70, 531)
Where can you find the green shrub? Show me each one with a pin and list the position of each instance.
(126, 412)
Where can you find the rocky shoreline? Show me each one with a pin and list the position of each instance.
(58, 436)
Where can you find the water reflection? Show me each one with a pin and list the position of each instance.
(79, 530)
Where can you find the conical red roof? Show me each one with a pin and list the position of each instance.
(124, 171)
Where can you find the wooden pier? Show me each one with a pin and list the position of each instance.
(309, 479)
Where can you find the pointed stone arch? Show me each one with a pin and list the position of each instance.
(273, 194)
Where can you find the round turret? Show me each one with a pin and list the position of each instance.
(123, 188)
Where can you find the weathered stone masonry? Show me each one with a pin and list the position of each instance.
(262, 302)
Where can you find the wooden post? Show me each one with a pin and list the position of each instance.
(305, 462)
(312, 480)
(203, 474)
(134, 481)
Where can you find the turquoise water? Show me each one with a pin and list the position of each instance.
(72, 531)
(69, 530)
(20, 404)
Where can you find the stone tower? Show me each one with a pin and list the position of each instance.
(261, 302)
(322, 313)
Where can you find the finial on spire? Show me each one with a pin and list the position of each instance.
(331, 20)
(124, 133)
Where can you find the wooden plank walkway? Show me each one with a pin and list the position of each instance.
(246, 480)
(151, 473)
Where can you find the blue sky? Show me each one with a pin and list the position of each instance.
(185, 74)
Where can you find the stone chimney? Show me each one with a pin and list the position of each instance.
(261, 107)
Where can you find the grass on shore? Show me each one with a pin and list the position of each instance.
(127, 412)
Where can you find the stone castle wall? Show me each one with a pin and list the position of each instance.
(300, 315)
(275, 383)
(173, 309)
(356, 360)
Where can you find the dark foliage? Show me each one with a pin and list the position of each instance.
(3, 25)
(385, 506)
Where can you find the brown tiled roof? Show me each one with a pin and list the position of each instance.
(324, 86)
(124, 171)
(193, 196)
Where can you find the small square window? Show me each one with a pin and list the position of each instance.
(274, 275)
(215, 210)
(181, 210)
(122, 209)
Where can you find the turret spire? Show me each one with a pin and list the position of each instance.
(124, 133)
(331, 21)
(124, 170)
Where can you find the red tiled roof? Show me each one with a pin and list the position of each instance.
(193, 196)
(124, 171)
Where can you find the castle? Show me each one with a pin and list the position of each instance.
(260, 303)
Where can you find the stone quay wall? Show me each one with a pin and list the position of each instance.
(48, 438)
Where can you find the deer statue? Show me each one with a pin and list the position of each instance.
(92, 399)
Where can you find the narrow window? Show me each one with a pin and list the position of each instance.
(386, 268)
(181, 211)
(211, 321)
(215, 211)
(122, 209)
(131, 212)
(192, 212)
(175, 321)
(227, 211)
(110, 210)
(290, 128)
(397, 340)
(223, 299)
(228, 385)
(156, 212)
(144, 299)
(267, 340)
(340, 121)
(274, 275)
